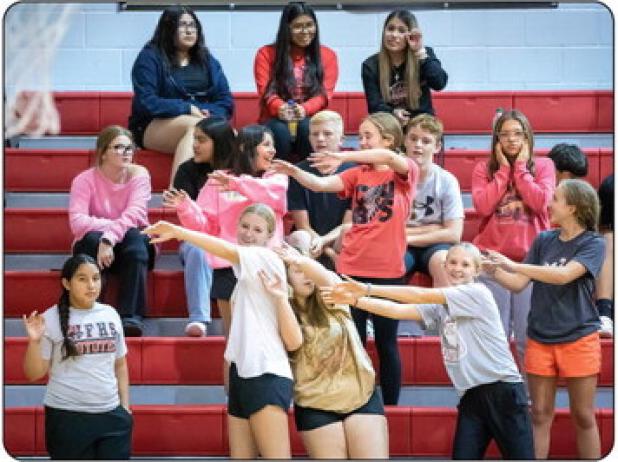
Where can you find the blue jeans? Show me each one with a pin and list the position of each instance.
(198, 281)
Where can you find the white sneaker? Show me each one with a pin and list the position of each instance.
(607, 327)
(195, 329)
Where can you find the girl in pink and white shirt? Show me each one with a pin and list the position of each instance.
(511, 191)
(223, 198)
(108, 205)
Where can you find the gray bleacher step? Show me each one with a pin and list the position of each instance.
(544, 140)
(21, 200)
(34, 200)
(31, 262)
(175, 327)
(422, 396)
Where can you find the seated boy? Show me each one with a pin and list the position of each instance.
(437, 214)
(319, 217)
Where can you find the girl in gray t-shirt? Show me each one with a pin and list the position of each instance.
(563, 338)
(79, 344)
(475, 351)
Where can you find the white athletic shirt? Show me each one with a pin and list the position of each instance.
(254, 344)
(86, 383)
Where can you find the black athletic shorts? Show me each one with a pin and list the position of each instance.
(223, 283)
(248, 396)
(309, 419)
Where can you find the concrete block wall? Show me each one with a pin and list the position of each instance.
(569, 47)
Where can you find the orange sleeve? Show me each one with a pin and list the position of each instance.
(262, 68)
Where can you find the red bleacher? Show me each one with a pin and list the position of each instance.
(201, 430)
(191, 361)
(23, 167)
(582, 111)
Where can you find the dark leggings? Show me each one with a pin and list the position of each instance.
(292, 151)
(132, 258)
(385, 330)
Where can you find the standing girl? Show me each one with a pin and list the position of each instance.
(262, 331)
(295, 78)
(511, 192)
(381, 189)
(399, 78)
(338, 411)
(213, 145)
(108, 205)
(80, 344)
(563, 322)
(475, 351)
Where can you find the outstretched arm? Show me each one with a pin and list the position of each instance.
(395, 161)
(312, 269)
(164, 231)
(330, 183)
(334, 295)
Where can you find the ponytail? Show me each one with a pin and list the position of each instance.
(68, 347)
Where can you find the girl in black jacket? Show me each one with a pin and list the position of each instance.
(399, 77)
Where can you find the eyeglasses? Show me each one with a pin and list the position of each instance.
(187, 26)
(124, 149)
(506, 135)
(307, 27)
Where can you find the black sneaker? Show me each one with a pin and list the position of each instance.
(131, 327)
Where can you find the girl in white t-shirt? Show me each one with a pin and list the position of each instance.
(263, 329)
(80, 344)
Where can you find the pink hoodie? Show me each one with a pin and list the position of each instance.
(98, 204)
(215, 212)
(513, 205)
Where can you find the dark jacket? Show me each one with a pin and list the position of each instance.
(432, 77)
(158, 95)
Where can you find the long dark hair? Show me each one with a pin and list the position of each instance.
(412, 69)
(164, 37)
(493, 165)
(69, 269)
(223, 137)
(249, 137)
(282, 81)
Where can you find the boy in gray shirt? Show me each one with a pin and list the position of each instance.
(475, 351)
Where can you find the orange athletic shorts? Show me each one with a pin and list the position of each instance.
(580, 358)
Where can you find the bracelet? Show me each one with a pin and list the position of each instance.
(368, 289)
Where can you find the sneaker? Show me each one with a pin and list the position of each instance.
(607, 327)
(195, 329)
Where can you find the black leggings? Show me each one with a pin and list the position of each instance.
(132, 258)
(288, 149)
(385, 330)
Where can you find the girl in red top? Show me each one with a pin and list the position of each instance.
(295, 78)
(511, 191)
(381, 188)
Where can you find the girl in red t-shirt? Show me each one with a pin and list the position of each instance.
(381, 187)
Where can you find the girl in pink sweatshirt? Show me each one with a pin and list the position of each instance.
(223, 198)
(107, 207)
(511, 191)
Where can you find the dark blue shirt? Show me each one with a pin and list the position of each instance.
(562, 313)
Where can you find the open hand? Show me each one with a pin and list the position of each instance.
(288, 254)
(324, 161)
(173, 197)
(524, 153)
(273, 285)
(35, 325)
(162, 231)
(500, 157)
(282, 166)
(221, 179)
(415, 39)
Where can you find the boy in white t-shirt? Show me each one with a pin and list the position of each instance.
(437, 213)
(475, 351)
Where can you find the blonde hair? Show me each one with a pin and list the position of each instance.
(470, 249)
(328, 116)
(428, 123)
(264, 211)
(584, 198)
(388, 126)
(105, 138)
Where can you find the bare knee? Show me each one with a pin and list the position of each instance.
(542, 413)
(583, 417)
